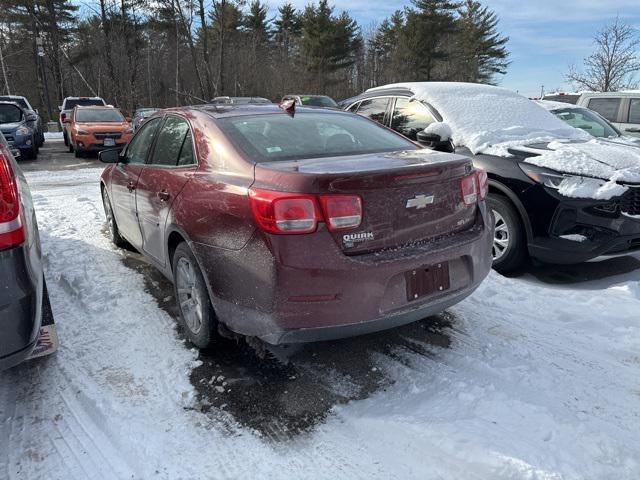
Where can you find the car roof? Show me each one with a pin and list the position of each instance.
(224, 111)
(94, 107)
(627, 93)
(84, 98)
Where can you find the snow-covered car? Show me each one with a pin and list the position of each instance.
(620, 108)
(591, 122)
(557, 194)
(297, 228)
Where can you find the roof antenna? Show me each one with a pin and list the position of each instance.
(289, 106)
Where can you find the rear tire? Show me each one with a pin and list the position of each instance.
(114, 234)
(66, 140)
(509, 246)
(71, 149)
(196, 312)
(78, 153)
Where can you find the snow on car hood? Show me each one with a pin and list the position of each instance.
(600, 165)
(488, 119)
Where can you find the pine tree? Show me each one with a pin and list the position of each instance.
(482, 53)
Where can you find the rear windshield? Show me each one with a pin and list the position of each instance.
(98, 115)
(318, 101)
(19, 101)
(278, 136)
(83, 102)
(10, 114)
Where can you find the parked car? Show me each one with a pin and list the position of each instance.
(18, 127)
(591, 122)
(563, 97)
(23, 297)
(297, 228)
(557, 194)
(68, 104)
(620, 108)
(26, 106)
(239, 100)
(92, 129)
(140, 116)
(312, 100)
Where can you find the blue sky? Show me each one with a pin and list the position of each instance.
(546, 36)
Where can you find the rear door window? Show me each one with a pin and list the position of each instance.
(186, 156)
(634, 111)
(607, 107)
(375, 109)
(140, 144)
(410, 117)
(170, 141)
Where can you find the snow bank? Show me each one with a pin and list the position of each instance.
(596, 158)
(490, 119)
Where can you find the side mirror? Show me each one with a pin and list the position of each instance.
(109, 156)
(437, 136)
(31, 117)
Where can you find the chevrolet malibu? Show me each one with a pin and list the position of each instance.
(300, 226)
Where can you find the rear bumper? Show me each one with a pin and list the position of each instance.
(311, 291)
(20, 308)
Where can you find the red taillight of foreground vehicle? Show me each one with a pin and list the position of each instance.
(469, 188)
(341, 212)
(12, 231)
(296, 213)
(281, 212)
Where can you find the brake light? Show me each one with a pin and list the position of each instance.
(341, 211)
(483, 183)
(12, 231)
(469, 188)
(284, 213)
(63, 117)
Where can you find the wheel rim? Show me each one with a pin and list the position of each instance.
(189, 298)
(108, 213)
(501, 236)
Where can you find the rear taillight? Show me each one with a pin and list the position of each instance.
(11, 229)
(469, 188)
(483, 183)
(284, 213)
(341, 211)
(63, 117)
(295, 213)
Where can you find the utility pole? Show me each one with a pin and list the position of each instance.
(43, 73)
(541, 91)
(4, 72)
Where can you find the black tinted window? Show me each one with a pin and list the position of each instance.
(634, 111)
(309, 135)
(410, 117)
(69, 104)
(374, 109)
(10, 114)
(186, 154)
(139, 145)
(170, 142)
(607, 107)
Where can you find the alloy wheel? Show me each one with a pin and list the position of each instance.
(501, 236)
(189, 297)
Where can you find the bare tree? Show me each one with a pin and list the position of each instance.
(612, 65)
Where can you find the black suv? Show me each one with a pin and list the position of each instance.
(532, 217)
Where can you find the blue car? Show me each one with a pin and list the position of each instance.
(23, 103)
(18, 127)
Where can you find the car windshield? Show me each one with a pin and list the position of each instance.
(309, 135)
(82, 102)
(586, 120)
(19, 101)
(98, 115)
(10, 114)
(318, 101)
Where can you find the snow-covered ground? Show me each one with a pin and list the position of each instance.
(53, 136)
(539, 381)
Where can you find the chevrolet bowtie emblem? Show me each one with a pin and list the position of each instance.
(420, 201)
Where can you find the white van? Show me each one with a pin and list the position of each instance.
(620, 108)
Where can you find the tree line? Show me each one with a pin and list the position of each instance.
(165, 53)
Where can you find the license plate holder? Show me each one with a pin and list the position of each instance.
(109, 142)
(426, 280)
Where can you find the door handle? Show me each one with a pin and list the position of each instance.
(131, 186)
(163, 195)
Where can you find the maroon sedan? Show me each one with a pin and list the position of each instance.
(300, 228)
